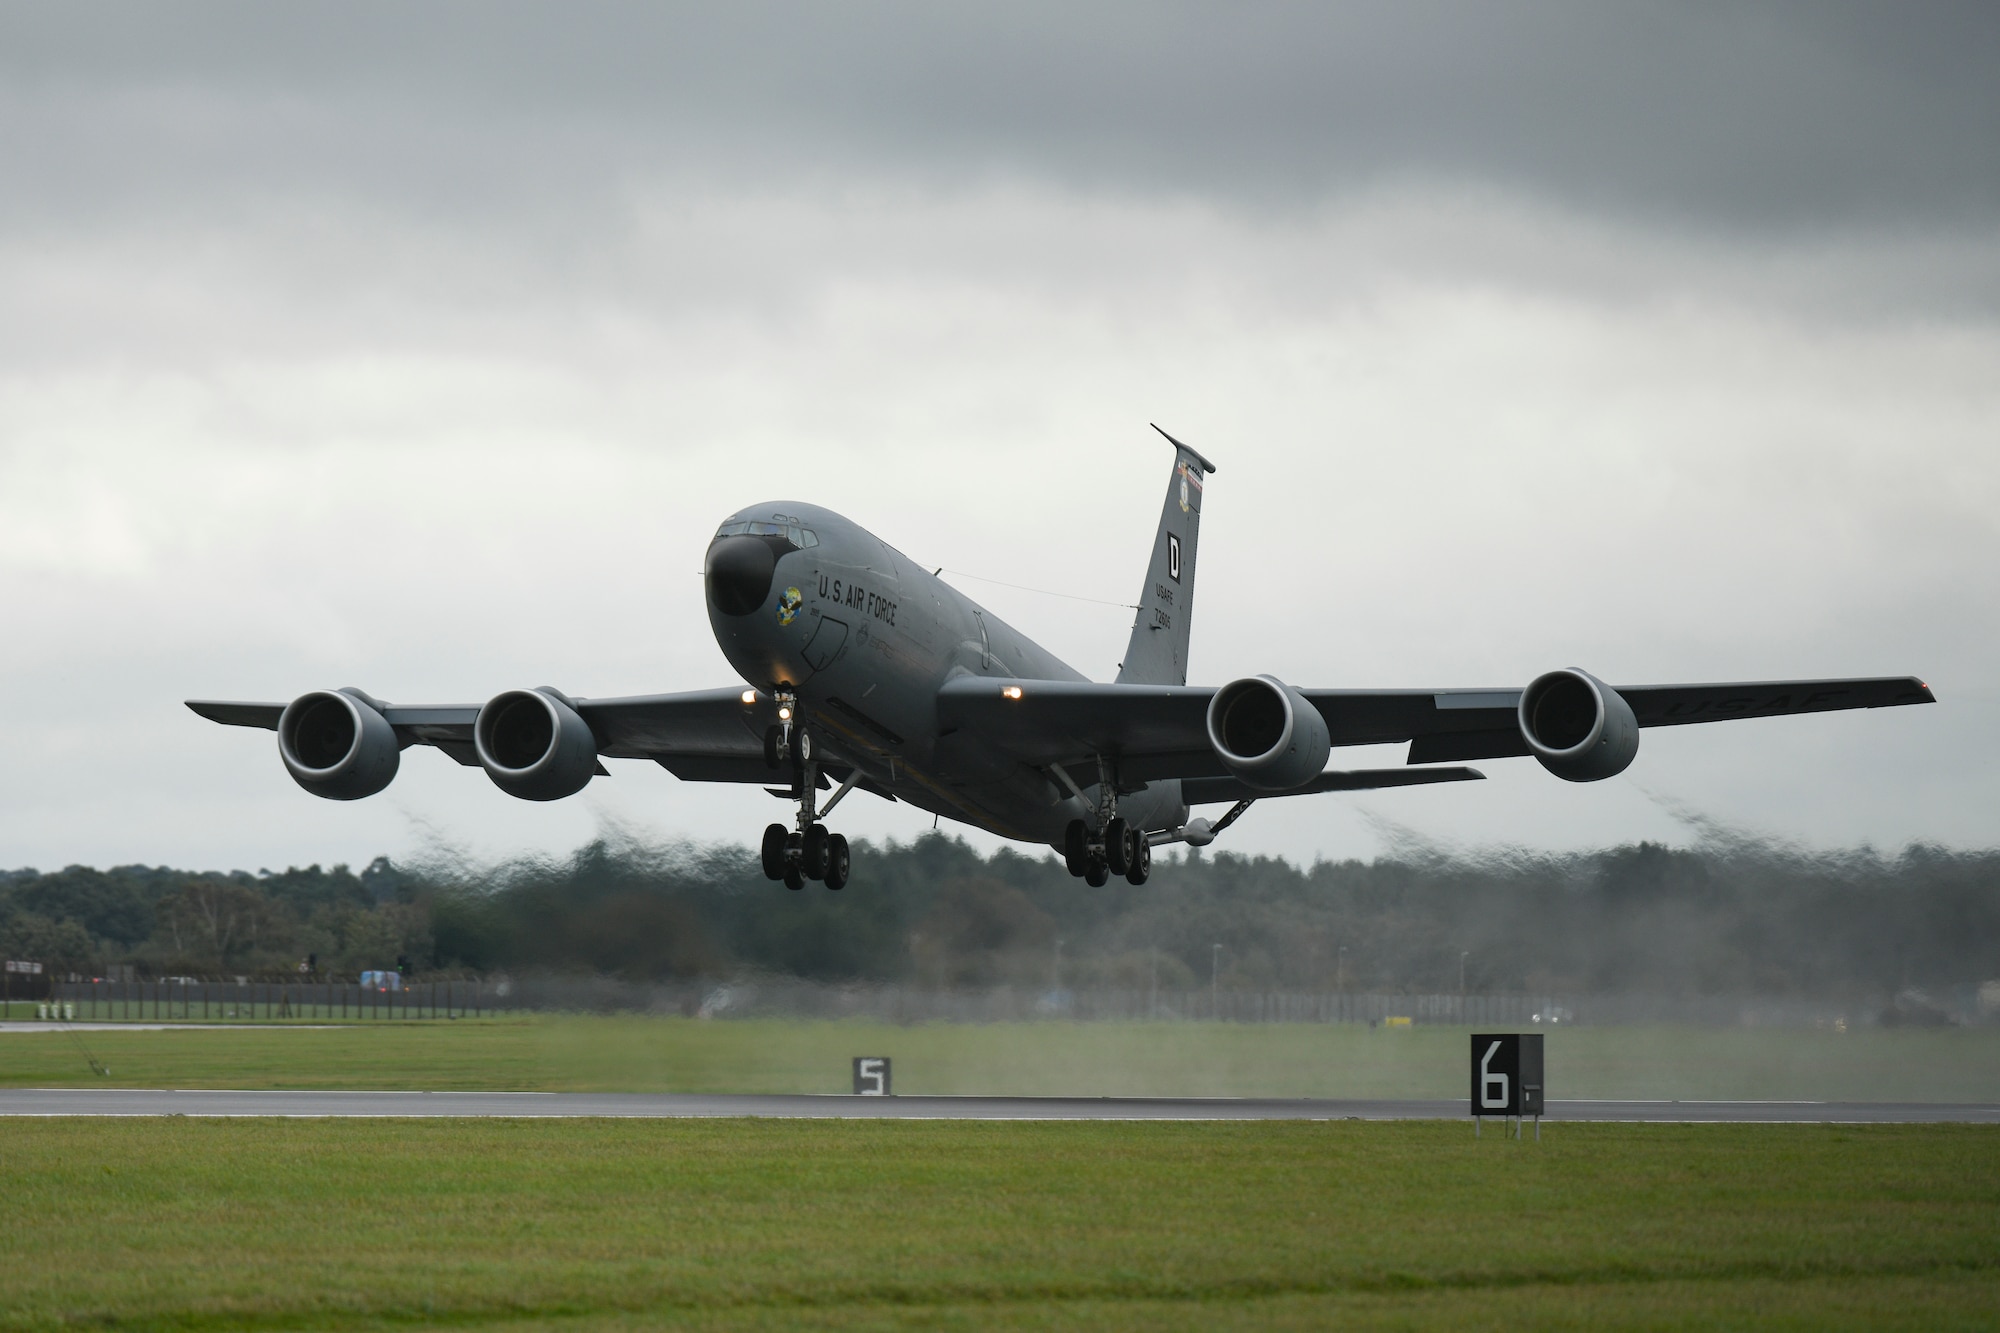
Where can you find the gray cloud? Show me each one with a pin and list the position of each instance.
(1799, 118)
(340, 338)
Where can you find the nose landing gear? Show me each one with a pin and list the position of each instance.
(810, 852)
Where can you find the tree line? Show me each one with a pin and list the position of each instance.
(1742, 918)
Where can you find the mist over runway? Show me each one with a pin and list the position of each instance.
(679, 1106)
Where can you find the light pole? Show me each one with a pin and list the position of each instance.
(1214, 982)
(1462, 956)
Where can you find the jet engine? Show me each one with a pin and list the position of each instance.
(534, 745)
(335, 744)
(1267, 734)
(1578, 727)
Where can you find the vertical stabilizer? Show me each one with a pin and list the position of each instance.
(1157, 654)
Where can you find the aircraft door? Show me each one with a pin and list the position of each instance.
(826, 643)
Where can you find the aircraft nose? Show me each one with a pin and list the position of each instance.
(739, 574)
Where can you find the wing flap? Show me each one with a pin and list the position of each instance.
(1208, 791)
(712, 723)
(719, 768)
(1059, 721)
(1450, 745)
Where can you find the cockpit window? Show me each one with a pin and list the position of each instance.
(786, 533)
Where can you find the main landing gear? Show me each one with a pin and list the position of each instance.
(798, 857)
(810, 852)
(1120, 850)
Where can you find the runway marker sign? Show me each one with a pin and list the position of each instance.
(1507, 1077)
(871, 1076)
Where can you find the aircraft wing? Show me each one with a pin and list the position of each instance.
(700, 736)
(1160, 731)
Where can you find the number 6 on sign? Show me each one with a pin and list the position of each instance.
(1496, 1074)
(1492, 1085)
(1507, 1075)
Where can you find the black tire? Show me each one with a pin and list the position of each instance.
(836, 863)
(772, 760)
(812, 858)
(1117, 845)
(793, 879)
(1076, 847)
(1142, 862)
(774, 851)
(1098, 875)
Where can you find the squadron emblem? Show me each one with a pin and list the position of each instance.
(1190, 488)
(788, 606)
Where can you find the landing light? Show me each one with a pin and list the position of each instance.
(784, 715)
(1010, 691)
(749, 696)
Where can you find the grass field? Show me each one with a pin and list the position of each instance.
(1095, 1059)
(263, 1224)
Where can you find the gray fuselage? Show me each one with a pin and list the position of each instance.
(864, 637)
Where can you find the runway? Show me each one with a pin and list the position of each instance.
(640, 1105)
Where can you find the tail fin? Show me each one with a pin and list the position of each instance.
(1157, 654)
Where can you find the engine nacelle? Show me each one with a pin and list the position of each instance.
(1267, 734)
(534, 746)
(1578, 727)
(335, 744)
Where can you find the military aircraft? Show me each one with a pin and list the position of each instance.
(866, 670)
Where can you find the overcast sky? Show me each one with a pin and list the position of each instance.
(421, 348)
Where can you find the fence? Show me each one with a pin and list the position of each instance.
(269, 1001)
(281, 1001)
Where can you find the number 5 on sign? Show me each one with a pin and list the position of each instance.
(871, 1076)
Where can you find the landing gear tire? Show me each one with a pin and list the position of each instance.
(1118, 846)
(1098, 875)
(794, 855)
(1076, 847)
(836, 863)
(793, 879)
(774, 757)
(1141, 861)
(812, 859)
(774, 851)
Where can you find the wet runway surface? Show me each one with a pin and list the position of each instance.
(147, 1102)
